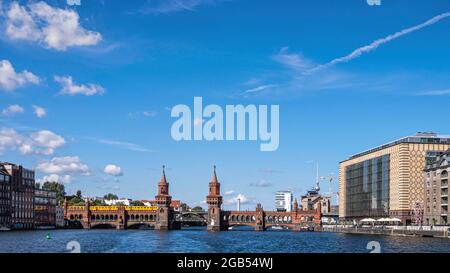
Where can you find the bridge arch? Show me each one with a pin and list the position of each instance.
(103, 226)
(236, 226)
(273, 226)
(141, 226)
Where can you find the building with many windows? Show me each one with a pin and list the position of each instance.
(22, 196)
(436, 190)
(387, 181)
(312, 198)
(5, 199)
(284, 201)
(44, 208)
(60, 223)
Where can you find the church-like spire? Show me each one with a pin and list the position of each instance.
(163, 177)
(163, 185)
(214, 178)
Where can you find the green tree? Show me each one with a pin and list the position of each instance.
(110, 196)
(197, 208)
(184, 207)
(76, 200)
(97, 203)
(56, 187)
(136, 203)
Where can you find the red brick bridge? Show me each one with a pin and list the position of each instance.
(162, 216)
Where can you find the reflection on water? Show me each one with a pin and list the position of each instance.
(199, 240)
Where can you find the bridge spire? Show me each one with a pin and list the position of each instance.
(163, 177)
(214, 179)
(214, 201)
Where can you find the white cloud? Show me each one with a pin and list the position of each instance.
(47, 140)
(70, 88)
(261, 183)
(41, 142)
(171, 6)
(294, 61)
(127, 145)
(259, 89)
(148, 114)
(113, 170)
(9, 139)
(62, 179)
(442, 92)
(56, 28)
(12, 110)
(40, 112)
(230, 192)
(242, 198)
(66, 165)
(11, 80)
(374, 45)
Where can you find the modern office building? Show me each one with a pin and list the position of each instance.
(22, 196)
(284, 201)
(5, 199)
(436, 190)
(387, 181)
(44, 208)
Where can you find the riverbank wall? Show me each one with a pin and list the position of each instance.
(425, 231)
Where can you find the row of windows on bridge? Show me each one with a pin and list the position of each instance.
(249, 219)
(114, 217)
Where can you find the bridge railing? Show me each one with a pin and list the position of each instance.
(141, 208)
(72, 208)
(113, 208)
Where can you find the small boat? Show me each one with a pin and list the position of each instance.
(277, 228)
(4, 229)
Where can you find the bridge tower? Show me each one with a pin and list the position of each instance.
(259, 221)
(86, 221)
(163, 200)
(214, 200)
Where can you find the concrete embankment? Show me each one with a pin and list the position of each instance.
(438, 232)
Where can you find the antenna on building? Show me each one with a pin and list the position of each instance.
(317, 178)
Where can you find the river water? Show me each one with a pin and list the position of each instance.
(199, 240)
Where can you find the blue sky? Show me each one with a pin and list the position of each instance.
(94, 85)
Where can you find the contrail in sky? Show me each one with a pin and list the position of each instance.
(374, 45)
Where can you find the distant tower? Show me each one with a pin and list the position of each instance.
(317, 188)
(295, 205)
(214, 200)
(163, 200)
(239, 204)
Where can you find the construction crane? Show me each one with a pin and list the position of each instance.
(330, 179)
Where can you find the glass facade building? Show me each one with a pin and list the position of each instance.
(388, 180)
(367, 188)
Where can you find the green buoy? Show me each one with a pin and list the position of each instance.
(48, 237)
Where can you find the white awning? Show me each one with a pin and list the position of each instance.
(368, 220)
(389, 220)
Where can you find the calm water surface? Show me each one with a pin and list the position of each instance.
(197, 240)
